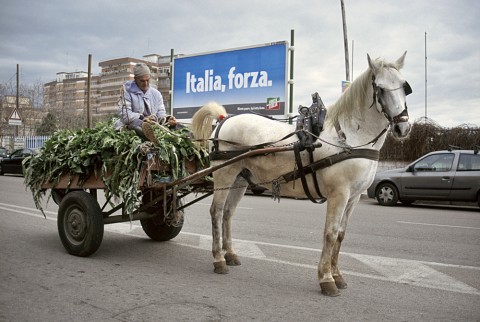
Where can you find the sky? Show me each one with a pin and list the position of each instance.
(47, 37)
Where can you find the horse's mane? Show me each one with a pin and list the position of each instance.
(355, 96)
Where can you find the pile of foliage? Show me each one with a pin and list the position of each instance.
(118, 153)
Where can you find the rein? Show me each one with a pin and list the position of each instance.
(301, 171)
(331, 160)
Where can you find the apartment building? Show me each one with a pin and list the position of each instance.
(69, 90)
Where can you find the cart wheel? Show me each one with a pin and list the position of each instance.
(158, 230)
(58, 194)
(80, 223)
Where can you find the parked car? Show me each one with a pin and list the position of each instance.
(13, 163)
(450, 175)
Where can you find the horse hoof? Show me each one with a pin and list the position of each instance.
(232, 260)
(220, 267)
(329, 289)
(340, 282)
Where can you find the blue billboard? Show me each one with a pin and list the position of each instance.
(243, 80)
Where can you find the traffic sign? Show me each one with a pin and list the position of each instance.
(15, 118)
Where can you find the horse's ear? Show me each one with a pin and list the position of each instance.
(371, 64)
(400, 61)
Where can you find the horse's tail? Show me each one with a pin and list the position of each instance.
(203, 119)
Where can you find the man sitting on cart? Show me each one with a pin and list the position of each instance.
(140, 106)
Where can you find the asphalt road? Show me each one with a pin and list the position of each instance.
(418, 263)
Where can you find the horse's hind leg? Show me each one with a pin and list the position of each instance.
(220, 222)
(233, 199)
(216, 212)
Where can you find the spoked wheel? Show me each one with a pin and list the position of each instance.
(387, 194)
(157, 228)
(80, 223)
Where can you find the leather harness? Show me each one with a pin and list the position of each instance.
(308, 127)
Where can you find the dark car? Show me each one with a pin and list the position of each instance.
(450, 175)
(13, 163)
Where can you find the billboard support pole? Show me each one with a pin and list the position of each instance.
(290, 81)
(171, 83)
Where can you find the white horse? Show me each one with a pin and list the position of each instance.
(375, 101)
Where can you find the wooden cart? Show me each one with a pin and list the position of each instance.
(81, 218)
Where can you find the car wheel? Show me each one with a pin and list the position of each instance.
(387, 194)
(1, 170)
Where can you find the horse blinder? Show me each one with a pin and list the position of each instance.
(407, 89)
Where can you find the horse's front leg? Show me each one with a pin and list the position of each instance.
(335, 209)
(234, 198)
(337, 276)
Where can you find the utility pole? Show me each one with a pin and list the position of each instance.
(345, 42)
(425, 77)
(89, 79)
(17, 101)
(353, 47)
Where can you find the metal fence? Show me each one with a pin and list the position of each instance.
(19, 142)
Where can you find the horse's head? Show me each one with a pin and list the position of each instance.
(389, 94)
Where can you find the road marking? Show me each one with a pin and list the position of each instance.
(36, 212)
(245, 248)
(414, 273)
(437, 225)
(404, 271)
(209, 204)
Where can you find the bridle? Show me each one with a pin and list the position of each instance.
(377, 91)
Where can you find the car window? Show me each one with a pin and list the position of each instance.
(469, 162)
(26, 152)
(16, 154)
(435, 162)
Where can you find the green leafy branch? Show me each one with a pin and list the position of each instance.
(118, 155)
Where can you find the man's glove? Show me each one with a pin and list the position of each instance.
(151, 119)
